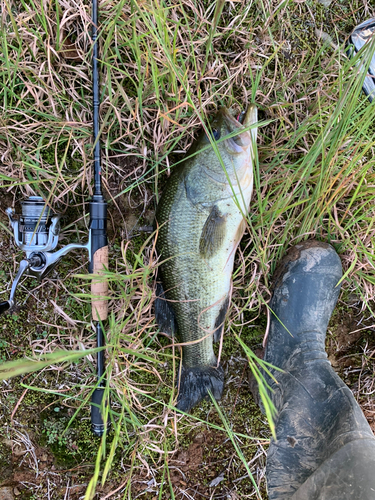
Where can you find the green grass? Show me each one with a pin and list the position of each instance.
(166, 68)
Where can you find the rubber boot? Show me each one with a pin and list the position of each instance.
(325, 448)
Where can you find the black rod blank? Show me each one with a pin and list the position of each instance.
(99, 243)
(96, 100)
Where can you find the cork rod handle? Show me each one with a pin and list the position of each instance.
(99, 285)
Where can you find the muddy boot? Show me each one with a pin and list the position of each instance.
(325, 448)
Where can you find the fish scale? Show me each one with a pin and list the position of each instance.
(200, 221)
(191, 297)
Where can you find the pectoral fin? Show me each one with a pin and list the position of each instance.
(213, 233)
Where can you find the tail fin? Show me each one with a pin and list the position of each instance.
(195, 384)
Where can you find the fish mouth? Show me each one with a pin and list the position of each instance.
(242, 140)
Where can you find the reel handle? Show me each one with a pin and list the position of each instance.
(24, 266)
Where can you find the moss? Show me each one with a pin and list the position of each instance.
(69, 446)
(73, 161)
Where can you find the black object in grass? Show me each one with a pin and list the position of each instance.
(361, 35)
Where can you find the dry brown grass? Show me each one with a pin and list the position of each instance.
(159, 84)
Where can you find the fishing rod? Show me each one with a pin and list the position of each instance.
(36, 232)
(99, 242)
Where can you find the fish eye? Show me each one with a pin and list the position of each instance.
(215, 133)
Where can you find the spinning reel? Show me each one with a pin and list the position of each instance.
(36, 232)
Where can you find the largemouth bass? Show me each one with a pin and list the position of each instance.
(200, 222)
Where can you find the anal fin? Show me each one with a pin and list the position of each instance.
(164, 313)
(220, 320)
